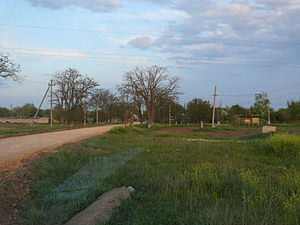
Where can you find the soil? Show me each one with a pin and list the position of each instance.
(15, 190)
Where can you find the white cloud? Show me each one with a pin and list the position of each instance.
(92, 5)
(163, 14)
(143, 42)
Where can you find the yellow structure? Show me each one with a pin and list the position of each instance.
(248, 121)
(255, 121)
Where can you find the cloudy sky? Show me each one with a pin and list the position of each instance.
(242, 46)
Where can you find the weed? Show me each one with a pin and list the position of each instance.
(283, 145)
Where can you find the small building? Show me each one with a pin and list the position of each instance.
(248, 121)
(13, 120)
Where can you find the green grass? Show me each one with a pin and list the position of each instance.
(12, 129)
(283, 145)
(177, 181)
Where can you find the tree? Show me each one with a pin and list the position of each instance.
(237, 111)
(25, 111)
(71, 94)
(261, 105)
(172, 109)
(9, 69)
(294, 109)
(105, 101)
(151, 84)
(4, 112)
(198, 110)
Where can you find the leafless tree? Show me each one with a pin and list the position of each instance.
(150, 85)
(132, 99)
(105, 103)
(9, 69)
(71, 94)
(103, 99)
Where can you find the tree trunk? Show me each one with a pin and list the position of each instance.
(151, 116)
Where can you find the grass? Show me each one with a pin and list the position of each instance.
(283, 145)
(12, 129)
(177, 181)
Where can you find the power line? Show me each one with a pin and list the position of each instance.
(149, 34)
(82, 52)
(153, 56)
(194, 62)
(251, 94)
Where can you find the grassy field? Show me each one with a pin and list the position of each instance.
(250, 180)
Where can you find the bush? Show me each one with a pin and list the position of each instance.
(284, 144)
(119, 130)
(126, 130)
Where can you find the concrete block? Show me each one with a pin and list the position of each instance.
(269, 129)
(102, 209)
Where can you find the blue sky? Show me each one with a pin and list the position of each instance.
(242, 46)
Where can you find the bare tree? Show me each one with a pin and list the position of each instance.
(71, 94)
(104, 101)
(151, 84)
(9, 69)
(133, 99)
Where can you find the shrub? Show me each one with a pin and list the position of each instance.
(284, 145)
(126, 130)
(119, 130)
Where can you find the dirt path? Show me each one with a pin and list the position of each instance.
(15, 149)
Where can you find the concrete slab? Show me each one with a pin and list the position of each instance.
(102, 209)
(269, 129)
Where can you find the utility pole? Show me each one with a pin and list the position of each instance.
(84, 117)
(41, 103)
(214, 108)
(170, 113)
(97, 114)
(269, 116)
(51, 103)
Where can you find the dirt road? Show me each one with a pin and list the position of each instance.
(15, 149)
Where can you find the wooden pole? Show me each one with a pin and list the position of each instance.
(97, 115)
(214, 108)
(37, 111)
(51, 104)
(269, 116)
(170, 113)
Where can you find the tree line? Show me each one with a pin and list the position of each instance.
(146, 93)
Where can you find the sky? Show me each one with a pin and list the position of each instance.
(241, 46)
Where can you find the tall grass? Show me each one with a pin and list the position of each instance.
(284, 145)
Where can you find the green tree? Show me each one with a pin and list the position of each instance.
(25, 111)
(4, 112)
(261, 105)
(236, 111)
(198, 110)
(294, 109)
(178, 112)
